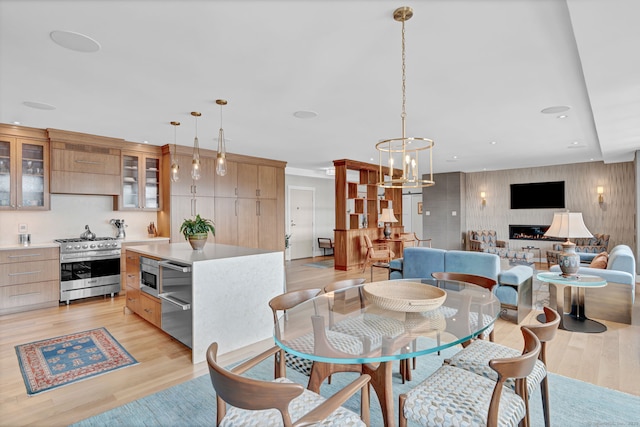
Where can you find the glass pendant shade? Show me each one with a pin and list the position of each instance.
(195, 162)
(175, 168)
(221, 157)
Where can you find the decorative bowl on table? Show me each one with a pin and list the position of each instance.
(404, 296)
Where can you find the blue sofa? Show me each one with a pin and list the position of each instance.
(613, 302)
(515, 285)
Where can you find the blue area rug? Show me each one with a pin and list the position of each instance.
(59, 361)
(321, 264)
(573, 402)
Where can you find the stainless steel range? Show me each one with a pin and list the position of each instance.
(89, 267)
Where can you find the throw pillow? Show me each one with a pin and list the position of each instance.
(600, 261)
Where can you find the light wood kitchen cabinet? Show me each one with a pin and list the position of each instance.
(183, 207)
(227, 186)
(131, 281)
(84, 169)
(151, 309)
(247, 206)
(140, 187)
(29, 279)
(24, 169)
(185, 185)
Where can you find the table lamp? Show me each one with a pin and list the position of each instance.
(568, 225)
(387, 217)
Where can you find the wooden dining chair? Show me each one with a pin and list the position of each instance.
(253, 402)
(454, 396)
(371, 326)
(483, 281)
(281, 303)
(380, 252)
(476, 357)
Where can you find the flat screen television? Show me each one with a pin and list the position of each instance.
(537, 195)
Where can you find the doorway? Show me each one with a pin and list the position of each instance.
(301, 221)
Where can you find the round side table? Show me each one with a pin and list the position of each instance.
(576, 320)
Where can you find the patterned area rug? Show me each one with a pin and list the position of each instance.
(59, 361)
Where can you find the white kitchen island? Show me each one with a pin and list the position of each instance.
(232, 286)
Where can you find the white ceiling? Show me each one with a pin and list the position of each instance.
(477, 71)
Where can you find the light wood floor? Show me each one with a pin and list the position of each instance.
(610, 359)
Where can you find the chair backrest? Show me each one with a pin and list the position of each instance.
(546, 331)
(514, 367)
(485, 282)
(291, 299)
(343, 284)
(248, 393)
(367, 242)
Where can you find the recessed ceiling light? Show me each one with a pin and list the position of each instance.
(562, 116)
(555, 109)
(16, 123)
(75, 41)
(575, 143)
(145, 142)
(305, 114)
(39, 105)
(493, 143)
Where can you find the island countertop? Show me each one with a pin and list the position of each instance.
(183, 253)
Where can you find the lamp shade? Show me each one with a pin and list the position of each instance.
(568, 225)
(387, 216)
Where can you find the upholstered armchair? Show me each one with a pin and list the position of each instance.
(481, 240)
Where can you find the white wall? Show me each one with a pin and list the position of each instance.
(67, 218)
(325, 204)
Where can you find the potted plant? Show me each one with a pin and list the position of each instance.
(197, 230)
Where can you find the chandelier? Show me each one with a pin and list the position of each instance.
(221, 157)
(402, 154)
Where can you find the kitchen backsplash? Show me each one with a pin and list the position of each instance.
(67, 218)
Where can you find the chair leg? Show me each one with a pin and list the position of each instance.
(544, 390)
(402, 420)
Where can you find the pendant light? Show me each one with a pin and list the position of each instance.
(195, 163)
(221, 158)
(403, 152)
(175, 168)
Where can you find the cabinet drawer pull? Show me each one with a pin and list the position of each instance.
(24, 256)
(25, 272)
(26, 294)
(146, 310)
(89, 162)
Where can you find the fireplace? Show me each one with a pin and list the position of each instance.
(531, 232)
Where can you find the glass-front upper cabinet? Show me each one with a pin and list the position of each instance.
(140, 182)
(24, 182)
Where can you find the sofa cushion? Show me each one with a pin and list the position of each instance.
(420, 262)
(600, 261)
(478, 263)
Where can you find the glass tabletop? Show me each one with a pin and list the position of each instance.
(581, 280)
(353, 326)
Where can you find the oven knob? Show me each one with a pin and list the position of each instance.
(85, 246)
(77, 247)
(69, 247)
(92, 246)
(100, 245)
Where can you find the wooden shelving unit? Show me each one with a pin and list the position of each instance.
(358, 205)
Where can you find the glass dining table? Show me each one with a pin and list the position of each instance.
(368, 327)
